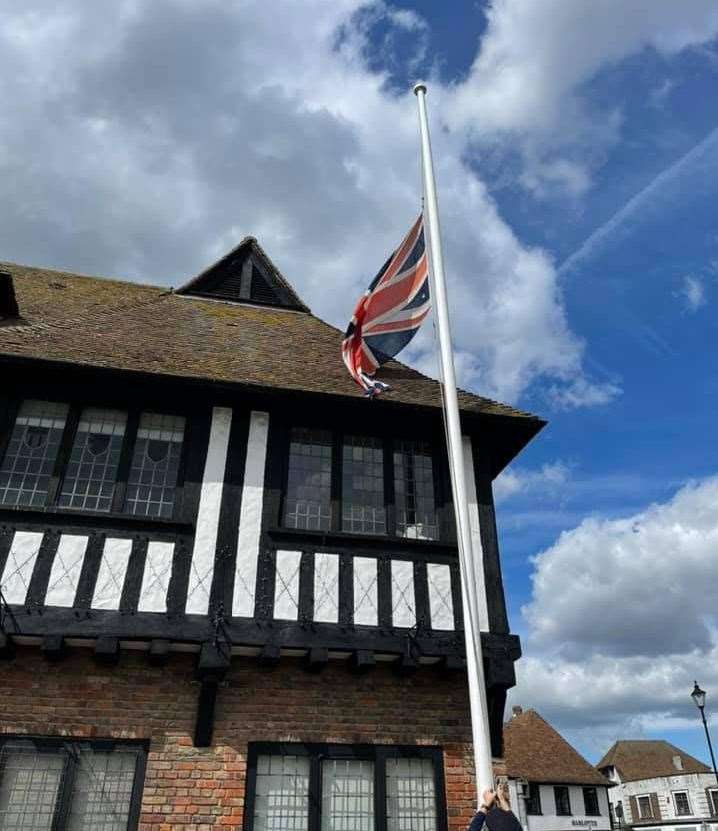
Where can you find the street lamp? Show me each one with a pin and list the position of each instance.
(699, 697)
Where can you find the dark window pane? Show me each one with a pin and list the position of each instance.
(533, 802)
(363, 509)
(31, 453)
(90, 478)
(590, 802)
(416, 516)
(563, 804)
(308, 498)
(682, 807)
(155, 462)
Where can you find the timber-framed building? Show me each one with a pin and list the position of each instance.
(230, 586)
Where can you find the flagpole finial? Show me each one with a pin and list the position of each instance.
(418, 87)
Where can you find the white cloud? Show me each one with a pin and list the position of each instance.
(622, 617)
(693, 293)
(534, 58)
(181, 125)
(546, 479)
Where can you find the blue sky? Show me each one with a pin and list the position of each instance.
(577, 172)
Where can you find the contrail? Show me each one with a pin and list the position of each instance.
(666, 177)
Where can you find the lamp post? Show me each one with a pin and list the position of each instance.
(699, 697)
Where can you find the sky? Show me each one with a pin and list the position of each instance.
(576, 152)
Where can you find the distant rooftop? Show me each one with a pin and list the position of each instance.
(647, 758)
(535, 751)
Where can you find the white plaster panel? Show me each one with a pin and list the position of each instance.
(366, 596)
(441, 604)
(210, 499)
(111, 576)
(156, 577)
(250, 516)
(66, 568)
(403, 604)
(326, 588)
(19, 565)
(477, 551)
(286, 588)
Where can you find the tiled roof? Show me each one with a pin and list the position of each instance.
(144, 328)
(536, 752)
(648, 758)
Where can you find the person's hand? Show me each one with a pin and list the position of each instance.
(489, 797)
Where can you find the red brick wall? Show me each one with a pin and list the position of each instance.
(202, 789)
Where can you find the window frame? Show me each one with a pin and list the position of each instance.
(376, 753)
(119, 498)
(64, 746)
(594, 790)
(641, 815)
(689, 812)
(533, 800)
(565, 788)
(388, 439)
(713, 801)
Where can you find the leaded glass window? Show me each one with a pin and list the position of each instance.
(31, 453)
(410, 795)
(308, 498)
(61, 785)
(155, 464)
(347, 795)
(281, 801)
(340, 787)
(29, 788)
(102, 791)
(89, 481)
(416, 516)
(683, 808)
(363, 510)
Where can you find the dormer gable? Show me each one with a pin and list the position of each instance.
(245, 275)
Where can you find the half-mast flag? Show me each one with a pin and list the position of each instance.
(390, 312)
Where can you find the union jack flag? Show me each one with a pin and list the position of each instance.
(390, 312)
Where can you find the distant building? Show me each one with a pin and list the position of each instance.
(553, 787)
(659, 786)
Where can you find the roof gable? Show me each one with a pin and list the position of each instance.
(535, 751)
(245, 275)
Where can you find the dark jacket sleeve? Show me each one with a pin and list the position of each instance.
(477, 823)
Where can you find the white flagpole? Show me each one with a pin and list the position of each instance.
(467, 563)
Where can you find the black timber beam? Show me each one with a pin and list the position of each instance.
(252, 633)
(7, 647)
(363, 660)
(212, 665)
(107, 651)
(269, 656)
(206, 704)
(53, 648)
(159, 652)
(317, 659)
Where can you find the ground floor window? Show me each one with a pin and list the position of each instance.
(590, 802)
(713, 802)
(63, 785)
(563, 801)
(293, 787)
(533, 799)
